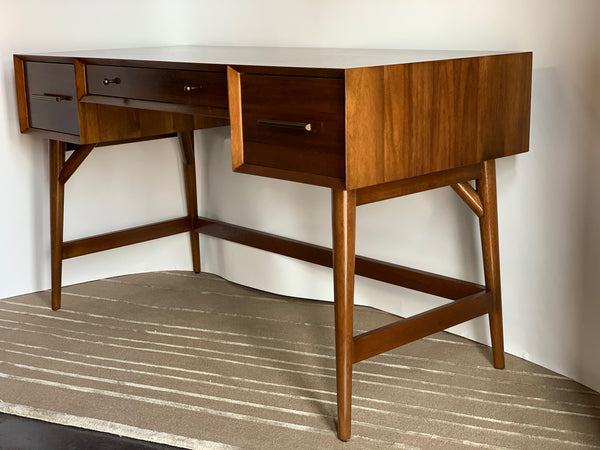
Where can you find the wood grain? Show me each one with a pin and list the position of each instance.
(235, 116)
(106, 123)
(469, 196)
(430, 283)
(365, 99)
(57, 205)
(159, 85)
(413, 185)
(186, 145)
(135, 235)
(504, 102)
(21, 93)
(488, 224)
(344, 229)
(75, 160)
(408, 330)
(436, 116)
(315, 101)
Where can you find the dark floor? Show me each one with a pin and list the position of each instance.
(19, 433)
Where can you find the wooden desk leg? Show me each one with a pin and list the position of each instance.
(488, 223)
(344, 224)
(57, 201)
(186, 142)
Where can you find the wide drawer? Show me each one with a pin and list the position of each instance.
(51, 97)
(187, 87)
(294, 123)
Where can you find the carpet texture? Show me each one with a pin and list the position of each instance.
(197, 362)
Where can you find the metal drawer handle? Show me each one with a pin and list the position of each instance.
(285, 124)
(108, 81)
(190, 88)
(52, 97)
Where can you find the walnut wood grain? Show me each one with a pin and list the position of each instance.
(235, 114)
(488, 224)
(57, 202)
(75, 160)
(344, 229)
(430, 283)
(105, 123)
(437, 115)
(318, 102)
(21, 87)
(291, 175)
(186, 144)
(135, 235)
(219, 116)
(469, 196)
(159, 85)
(413, 185)
(314, 155)
(408, 330)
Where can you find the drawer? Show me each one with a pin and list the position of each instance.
(161, 85)
(52, 97)
(293, 123)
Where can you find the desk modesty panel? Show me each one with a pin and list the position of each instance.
(371, 113)
(368, 124)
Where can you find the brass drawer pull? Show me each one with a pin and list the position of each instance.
(285, 124)
(108, 81)
(190, 88)
(52, 97)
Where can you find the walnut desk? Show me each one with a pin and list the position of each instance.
(367, 124)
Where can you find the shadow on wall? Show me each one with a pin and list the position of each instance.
(565, 243)
(30, 157)
(590, 243)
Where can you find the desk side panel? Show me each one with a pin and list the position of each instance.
(408, 120)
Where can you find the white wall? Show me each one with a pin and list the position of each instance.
(549, 198)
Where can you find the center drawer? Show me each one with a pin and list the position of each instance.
(188, 87)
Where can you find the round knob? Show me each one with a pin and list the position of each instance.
(190, 88)
(108, 81)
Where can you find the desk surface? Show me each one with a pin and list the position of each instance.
(323, 58)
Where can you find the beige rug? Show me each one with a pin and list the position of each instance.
(197, 362)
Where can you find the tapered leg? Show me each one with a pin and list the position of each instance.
(186, 141)
(344, 224)
(57, 201)
(488, 223)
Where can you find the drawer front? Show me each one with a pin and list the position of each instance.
(161, 85)
(52, 97)
(294, 123)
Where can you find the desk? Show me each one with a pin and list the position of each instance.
(367, 124)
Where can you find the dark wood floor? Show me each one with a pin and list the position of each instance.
(19, 433)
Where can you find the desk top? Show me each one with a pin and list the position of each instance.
(342, 118)
(323, 58)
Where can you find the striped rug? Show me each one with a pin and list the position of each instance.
(197, 362)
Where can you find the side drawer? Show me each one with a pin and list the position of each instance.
(52, 97)
(293, 123)
(161, 85)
